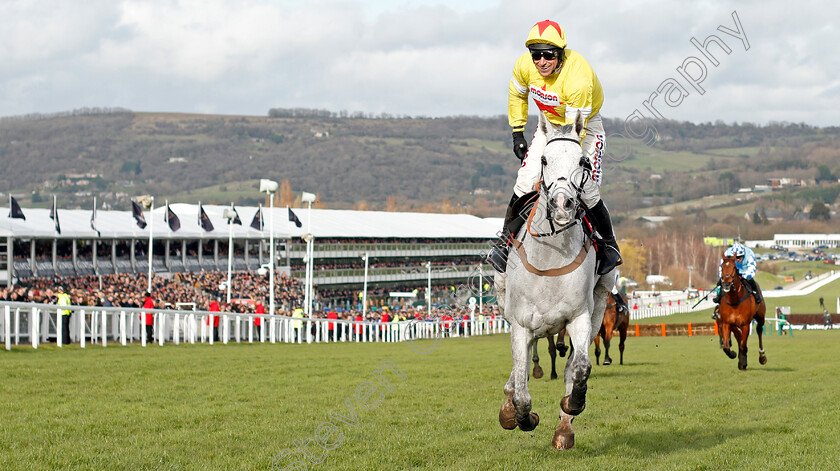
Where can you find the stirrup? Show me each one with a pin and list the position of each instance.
(610, 259)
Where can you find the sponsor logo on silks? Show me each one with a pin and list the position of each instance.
(547, 101)
(596, 158)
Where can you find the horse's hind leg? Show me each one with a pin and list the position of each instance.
(538, 371)
(598, 350)
(607, 338)
(552, 352)
(622, 335)
(759, 328)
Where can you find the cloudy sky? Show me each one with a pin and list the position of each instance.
(414, 57)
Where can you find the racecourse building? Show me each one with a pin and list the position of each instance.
(402, 249)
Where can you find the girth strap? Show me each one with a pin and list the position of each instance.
(581, 256)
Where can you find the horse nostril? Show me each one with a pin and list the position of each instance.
(568, 204)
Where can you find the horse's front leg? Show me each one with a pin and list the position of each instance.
(521, 341)
(507, 414)
(742, 333)
(538, 371)
(725, 341)
(578, 366)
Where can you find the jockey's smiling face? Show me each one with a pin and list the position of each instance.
(545, 62)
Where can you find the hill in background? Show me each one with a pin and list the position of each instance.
(455, 164)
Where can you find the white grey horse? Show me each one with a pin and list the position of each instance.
(550, 284)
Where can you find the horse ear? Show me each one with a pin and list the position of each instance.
(578, 123)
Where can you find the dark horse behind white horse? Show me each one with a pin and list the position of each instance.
(551, 285)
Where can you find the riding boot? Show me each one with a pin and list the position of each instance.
(754, 288)
(719, 294)
(611, 256)
(498, 256)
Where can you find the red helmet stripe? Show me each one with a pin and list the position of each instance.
(542, 25)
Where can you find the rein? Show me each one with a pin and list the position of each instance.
(581, 256)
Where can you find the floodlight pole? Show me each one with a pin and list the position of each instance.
(429, 289)
(230, 254)
(271, 252)
(364, 289)
(151, 241)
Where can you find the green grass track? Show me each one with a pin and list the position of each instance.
(676, 404)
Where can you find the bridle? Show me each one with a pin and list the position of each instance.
(728, 281)
(544, 190)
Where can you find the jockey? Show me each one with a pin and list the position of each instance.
(745, 264)
(562, 84)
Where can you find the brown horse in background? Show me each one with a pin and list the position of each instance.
(737, 309)
(613, 320)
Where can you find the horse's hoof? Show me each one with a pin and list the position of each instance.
(607, 362)
(730, 354)
(562, 351)
(564, 436)
(563, 441)
(530, 423)
(507, 416)
(564, 405)
(553, 376)
(538, 372)
(762, 360)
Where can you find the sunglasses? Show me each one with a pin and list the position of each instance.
(547, 55)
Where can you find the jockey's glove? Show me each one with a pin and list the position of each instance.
(520, 146)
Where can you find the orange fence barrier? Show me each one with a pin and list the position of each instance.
(667, 330)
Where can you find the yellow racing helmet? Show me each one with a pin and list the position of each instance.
(546, 32)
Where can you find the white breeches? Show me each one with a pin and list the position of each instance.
(593, 146)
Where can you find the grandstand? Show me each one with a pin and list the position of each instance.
(398, 245)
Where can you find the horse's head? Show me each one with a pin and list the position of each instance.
(562, 171)
(728, 273)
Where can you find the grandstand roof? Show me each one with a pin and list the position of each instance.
(76, 224)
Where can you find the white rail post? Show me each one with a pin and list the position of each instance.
(250, 330)
(176, 328)
(143, 327)
(122, 328)
(80, 316)
(58, 328)
(211, 328)
(33, 327)
(162, 330)
(7, 331)
(225, 329)
(17, 326)
(237, 331)
(104, 329)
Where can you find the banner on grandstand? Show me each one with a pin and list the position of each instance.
(137, 212)
(14, 209)
(203, 219)
(54, 215)
(293, 218)
(172, 218)
(257, 222)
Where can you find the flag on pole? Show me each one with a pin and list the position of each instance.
(93, 218)
(203, 220)
(172, 219)
(54, 215)
(137, 212)
(14, 209)
(236, 220)
(293, 218)
(257, 222)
